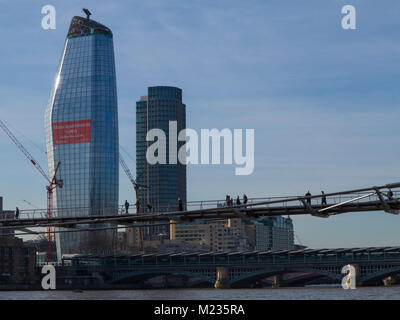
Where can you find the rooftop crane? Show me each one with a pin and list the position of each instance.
(53, 183)
(136, 188)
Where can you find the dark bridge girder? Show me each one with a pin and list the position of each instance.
(247, 279)
(372, 278)
(148, 274)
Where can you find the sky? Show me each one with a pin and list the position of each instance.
(323, 101)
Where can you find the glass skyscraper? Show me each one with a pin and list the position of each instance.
(164, 183)
(81, 124)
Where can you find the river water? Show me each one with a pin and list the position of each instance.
(313, 293)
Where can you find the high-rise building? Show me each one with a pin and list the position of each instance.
(164, 183)
(81, 123)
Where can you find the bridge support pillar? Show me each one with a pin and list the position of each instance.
(389, 281)
(277, 281)
(222, 278)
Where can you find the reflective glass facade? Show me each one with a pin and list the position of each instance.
(81, 123)
(165, 182)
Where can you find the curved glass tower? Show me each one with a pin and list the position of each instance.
(81, 123)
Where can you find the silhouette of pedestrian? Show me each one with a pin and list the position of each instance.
(238, 200)
(149, 206)
(228, 201)
(180, 204)
(390, 194)
(308, 197)
(16, 213)
(126, 206)
(137, 206)
(323, 199)
(244, 199)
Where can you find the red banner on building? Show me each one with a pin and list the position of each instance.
(69, 132)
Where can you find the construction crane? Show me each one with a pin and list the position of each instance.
(53, 183)
(31, 204)
(136, 188)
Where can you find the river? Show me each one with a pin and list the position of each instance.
(312, 293)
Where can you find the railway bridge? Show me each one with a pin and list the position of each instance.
(239, 269)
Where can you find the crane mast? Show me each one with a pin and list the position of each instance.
(132, 180)
(136, 188)
(53, 183)
(126, 169)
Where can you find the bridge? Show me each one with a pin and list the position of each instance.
(236, 269)
(378, 198)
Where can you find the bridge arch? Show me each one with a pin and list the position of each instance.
(265, 273)
(147, 274)
(381, 274)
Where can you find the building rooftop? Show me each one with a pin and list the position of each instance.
(82, 26)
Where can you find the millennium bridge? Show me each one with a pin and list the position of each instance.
(378, 198)
(236, 269)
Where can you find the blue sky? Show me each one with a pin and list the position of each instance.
(324, 102)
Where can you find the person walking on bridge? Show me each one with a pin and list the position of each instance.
(228, 201)
(180, 204)
(16, 213)
(238, 201)
(244, 199)
(126, 206)
(137, 206)
(308, 197)
(323, 199)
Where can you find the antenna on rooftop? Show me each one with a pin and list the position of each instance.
(87, 12)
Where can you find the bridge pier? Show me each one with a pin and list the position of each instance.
(277, 280)
(389, 281)
(222, 278)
